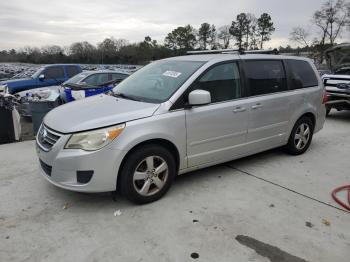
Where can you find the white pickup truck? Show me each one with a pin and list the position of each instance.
(338, 84)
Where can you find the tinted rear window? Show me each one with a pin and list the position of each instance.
(72, 71)
(54, 72)
(265, 77)
(302, 74)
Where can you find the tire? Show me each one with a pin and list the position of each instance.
(298, 144)
(328, 110)
(140, 182)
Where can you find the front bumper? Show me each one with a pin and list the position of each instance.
(340, 100)
(60, 166)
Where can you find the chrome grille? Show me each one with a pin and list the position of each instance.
(47, 138)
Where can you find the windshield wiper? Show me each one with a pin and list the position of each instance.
(125, 96)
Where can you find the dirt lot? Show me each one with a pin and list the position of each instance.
(267, 207)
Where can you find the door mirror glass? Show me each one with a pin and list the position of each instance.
(199, 97)
(42, 77)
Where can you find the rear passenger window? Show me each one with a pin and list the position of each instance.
(265, 77)
(119, 76)
(72, 71)
(222, 82)
(302, 74)
(96, 79)
(54, 72)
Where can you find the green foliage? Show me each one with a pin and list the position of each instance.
(239, 29)
(250, 32)
(265, 28)
(181, 39)
(109, 51)
(206, 36)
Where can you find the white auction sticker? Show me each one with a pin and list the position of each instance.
(173, 74)
(77, 95)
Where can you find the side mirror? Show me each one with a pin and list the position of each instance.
(199, 97)
(42, 77)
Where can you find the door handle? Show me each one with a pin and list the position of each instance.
(239, 109)
(257, 106)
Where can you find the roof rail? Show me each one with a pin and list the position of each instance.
(239, 51)
(218, 51)
(267, 52)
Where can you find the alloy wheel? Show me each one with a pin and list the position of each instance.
(302, 136)
(150, 175)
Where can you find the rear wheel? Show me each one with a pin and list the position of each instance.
(301, 136)
(147, 174)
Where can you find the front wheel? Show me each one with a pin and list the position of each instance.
(147, 174)
(301, 136)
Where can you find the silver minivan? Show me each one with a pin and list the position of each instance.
(178, 115)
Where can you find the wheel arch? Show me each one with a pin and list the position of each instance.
(308, 114)
(155, 141)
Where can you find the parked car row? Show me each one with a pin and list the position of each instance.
(78, 86)
(178, 115)
(49, 75)
(16, 70)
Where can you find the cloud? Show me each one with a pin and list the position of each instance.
(63, 22)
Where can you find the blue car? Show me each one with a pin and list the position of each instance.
(48, 75)
(89, 83)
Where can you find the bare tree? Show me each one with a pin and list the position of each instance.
(253, 34)
(224, 35)
(331, 19)
(52, 50)
(300, 36)
(250, 26)
(119, 43)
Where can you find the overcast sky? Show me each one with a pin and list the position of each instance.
(62, 22)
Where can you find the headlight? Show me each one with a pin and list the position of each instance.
(94, 140)
(4, 88)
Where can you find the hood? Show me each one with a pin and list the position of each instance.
(15, 85)
(38, 90)
(17, 82)
(95, 112)
(338, 56)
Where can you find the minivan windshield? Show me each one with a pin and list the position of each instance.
(157, 82)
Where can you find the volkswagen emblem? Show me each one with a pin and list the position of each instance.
(44, 133)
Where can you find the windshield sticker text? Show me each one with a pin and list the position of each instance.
(172, 74)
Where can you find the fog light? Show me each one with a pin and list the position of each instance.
(84, 177)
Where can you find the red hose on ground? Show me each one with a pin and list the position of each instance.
(336, 199)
